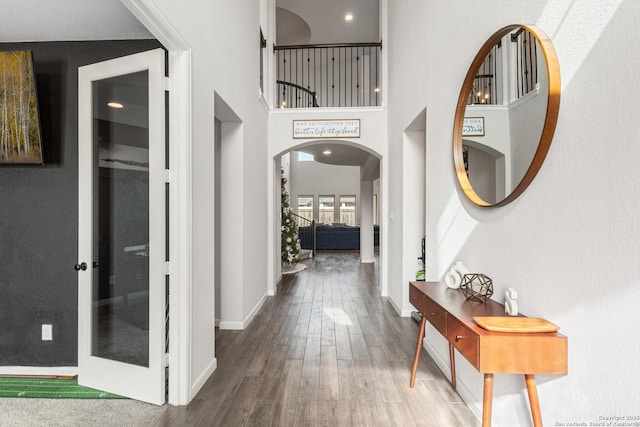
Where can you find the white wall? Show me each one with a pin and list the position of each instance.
(367, 239)
(232, 232)
(569, 243)
(217, 221)
(526, 121)
(376, 193)
(413, 213)
(231, 70)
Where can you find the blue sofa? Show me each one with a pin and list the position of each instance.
(335, 237)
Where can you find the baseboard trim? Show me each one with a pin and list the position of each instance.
(202, 379)
(276, 284)
(61, 371)
(406, 313)
(401, 312)
(239, 326)
(394, 305)
(256, 309)
(231, 326)
(461, 387)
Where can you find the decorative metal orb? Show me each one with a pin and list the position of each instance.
(477, 287)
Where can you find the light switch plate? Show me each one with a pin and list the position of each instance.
(47, 332)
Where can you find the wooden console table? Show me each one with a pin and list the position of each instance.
(489, 352)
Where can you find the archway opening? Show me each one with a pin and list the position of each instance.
(335, 184)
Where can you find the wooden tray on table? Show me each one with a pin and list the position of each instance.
(515, 324)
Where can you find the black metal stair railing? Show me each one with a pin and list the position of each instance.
(340, 75)
(527, 62)
(306, 233)
(487, 84)
(293, 96)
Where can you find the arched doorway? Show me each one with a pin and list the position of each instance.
(337, 184)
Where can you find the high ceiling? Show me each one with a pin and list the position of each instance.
(326, 20)
(67, 20)
(62, 20)
(337, 153)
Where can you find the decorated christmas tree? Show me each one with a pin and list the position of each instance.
(289, 227)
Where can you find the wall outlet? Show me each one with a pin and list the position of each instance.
(47, 332)
(112, 280)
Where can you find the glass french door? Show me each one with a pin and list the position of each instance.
(122, 226)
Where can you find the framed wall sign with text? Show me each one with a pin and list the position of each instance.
(326, 128)
(473, 126)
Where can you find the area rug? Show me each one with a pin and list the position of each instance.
(51, 388)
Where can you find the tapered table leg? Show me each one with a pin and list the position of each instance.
(416, 357)
(487, 400)
(534, 403)
(452, 362)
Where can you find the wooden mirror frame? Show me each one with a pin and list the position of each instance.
(553, 107)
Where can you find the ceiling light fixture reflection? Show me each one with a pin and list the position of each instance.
(348, 17)
(377, 90)
(326, 152)
(114, 104)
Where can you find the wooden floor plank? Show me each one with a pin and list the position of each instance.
(240, 406)
(311, 363)
(329, 383)
(290, 385)
(262, 413)
(307, 404)
(343, 343)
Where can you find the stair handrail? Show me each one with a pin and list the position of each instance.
(309, 92)
(326, 45)
(308, 222)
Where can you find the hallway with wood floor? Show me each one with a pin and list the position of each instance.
(327, 350)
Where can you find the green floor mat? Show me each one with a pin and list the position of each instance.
(52, 388)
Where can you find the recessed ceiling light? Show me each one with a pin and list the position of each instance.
(114, 104)
(348, 17)
(326, 152)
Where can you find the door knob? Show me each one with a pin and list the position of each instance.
(82, 266)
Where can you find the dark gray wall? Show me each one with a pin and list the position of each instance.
(39, 212)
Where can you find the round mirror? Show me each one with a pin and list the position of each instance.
(506, 115)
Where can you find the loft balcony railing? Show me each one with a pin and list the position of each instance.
(522, 71)
(328, 75)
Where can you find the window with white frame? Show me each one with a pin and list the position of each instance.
(348, 210)
(326, 209)
(305, 207)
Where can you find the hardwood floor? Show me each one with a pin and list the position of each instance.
(327, 350)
